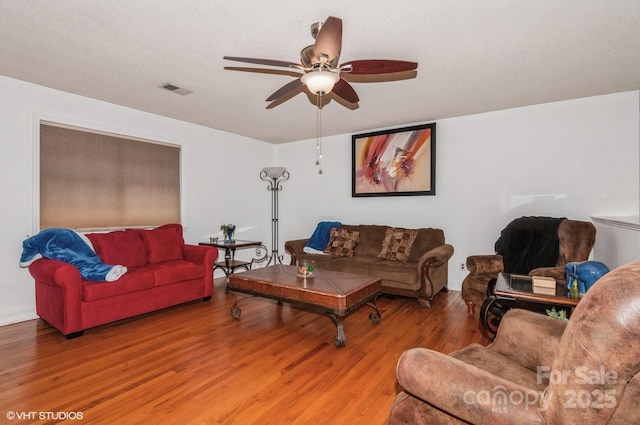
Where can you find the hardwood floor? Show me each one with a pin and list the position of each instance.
(194, 364)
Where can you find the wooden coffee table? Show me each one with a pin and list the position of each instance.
(335, 294)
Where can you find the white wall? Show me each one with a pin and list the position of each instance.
(575, 159)
(219, 175)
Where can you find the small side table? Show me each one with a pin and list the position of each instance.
(510, 291)
(230, 264)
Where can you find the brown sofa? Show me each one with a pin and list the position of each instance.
(538, 370)
(575, 241)
(422, 276)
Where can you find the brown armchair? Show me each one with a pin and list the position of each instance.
(538, 370)
(575, 240)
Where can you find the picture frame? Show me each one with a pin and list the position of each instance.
(396, 162)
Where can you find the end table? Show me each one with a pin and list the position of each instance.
(230, 264)
(510, 291)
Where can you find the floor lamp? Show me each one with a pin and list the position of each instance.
(274, 176)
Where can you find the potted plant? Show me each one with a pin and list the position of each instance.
(227, 231)
(560, 315)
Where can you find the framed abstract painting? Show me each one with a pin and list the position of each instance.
(398, 162)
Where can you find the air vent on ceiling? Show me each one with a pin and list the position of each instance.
(176, 89)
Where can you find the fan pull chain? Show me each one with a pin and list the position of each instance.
(319, 133)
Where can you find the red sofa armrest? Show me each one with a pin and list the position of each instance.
(199, 254)
(58, 273)
(205, 255)
(58, 293)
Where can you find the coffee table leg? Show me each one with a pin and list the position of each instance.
(340, 340)
(374, 317)
(235, 310)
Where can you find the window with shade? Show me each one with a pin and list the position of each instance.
(95, 180)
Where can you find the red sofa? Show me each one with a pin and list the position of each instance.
(162, 271)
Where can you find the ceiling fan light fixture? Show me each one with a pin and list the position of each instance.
(322, 70)
(320, 81)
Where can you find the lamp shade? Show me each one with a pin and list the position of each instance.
(320, 81)
(274, 172)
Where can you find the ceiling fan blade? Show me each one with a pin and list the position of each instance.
(287, 96)
(345, 91)
(379, 78)
(379, 66)
(269, 62)
(329, 39)
(263, 71)
(345, 103)
(285, 89)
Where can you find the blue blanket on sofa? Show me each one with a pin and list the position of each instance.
(320, 237)
(71, 247)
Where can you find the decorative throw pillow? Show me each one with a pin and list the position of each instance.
(125, 247)
(342, 242)
(163, 245)
(397, 244)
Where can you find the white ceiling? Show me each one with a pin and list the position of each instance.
(473, 55)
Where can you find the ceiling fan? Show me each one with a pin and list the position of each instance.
(319, 63)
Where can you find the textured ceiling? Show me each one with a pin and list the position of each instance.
(474, 56)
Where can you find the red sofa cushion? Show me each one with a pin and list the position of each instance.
(163, 244)
(124, 247)
(136, 280)
(170, 272)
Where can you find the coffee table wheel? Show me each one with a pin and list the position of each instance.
(374, 317)
(235, 312)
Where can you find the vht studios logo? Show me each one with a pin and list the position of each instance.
(50, 416)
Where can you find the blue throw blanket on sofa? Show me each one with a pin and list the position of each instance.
(71, 247)
(320, 237)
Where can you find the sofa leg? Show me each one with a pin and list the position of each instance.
(424, 303)
(74, 335)
(471, 308)
(208, 298)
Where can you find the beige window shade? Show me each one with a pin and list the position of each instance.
(91, 180)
